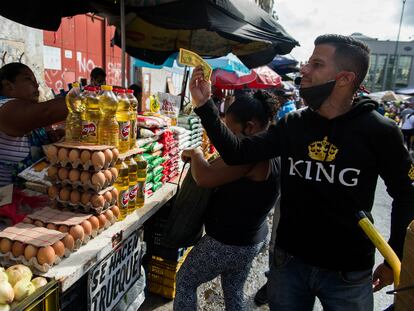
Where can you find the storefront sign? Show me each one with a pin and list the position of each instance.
(114, 275)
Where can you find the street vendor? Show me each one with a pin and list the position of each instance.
(22, 120)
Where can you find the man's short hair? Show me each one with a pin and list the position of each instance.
(350, 54)
(97, 72)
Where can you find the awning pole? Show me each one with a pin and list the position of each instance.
(123, 42)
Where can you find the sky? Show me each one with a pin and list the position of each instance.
(304, 20)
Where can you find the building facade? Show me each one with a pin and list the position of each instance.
(385, 63)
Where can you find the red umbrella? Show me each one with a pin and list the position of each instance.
(260, 78)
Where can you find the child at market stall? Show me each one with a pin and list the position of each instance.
(22, 120)
(235, 220)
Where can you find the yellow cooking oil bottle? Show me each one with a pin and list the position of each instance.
(123, 116)
(133, 187)
(73, 127)
(108, 130)
(91, 116)
(134, 114)
(141, 177)
(122, 185)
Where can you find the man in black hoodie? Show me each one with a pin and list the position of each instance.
(332, 153)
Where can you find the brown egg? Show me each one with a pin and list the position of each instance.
(115, 211)
(98, 179)
(74, 155)
(17, 249)
(75, 197)
(46, 255)
(74, 175)
(39, 223)
(108, 156)
(69, 242)
(109, 215)
(5, 245)
(85, 177)
(51, 226)
(27, 220)
(85, 198)
(85, 156)
(63, 154)
(114, 173)
(115, 194)
(98, 159)
(63, 228)
(53, 191)
(59, 248)
(115, 155)
(108, 197)
(63, 173)
(108, 176)
(64, 194)
(94, 222)
(30, 251)
(51, 152)
(87, 227)
(52, 171)
(97, 200)
(102, 221)
(77, 232)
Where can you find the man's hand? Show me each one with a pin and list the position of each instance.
(187, 154)
(200, 89)
(383, 276)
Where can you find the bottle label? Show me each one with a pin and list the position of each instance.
(134, 129)
(124, 129)
(141, 190)
(89, 128)
(124, 198)
(133, 193)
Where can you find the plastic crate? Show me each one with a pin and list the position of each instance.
(75, 298)
(164, 291)
(165, 281)
(45, 298)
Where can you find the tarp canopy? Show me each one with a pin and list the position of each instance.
(157, 29)
(284, 65)
(387, 96)
(406, 91)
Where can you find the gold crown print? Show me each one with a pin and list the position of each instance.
(411, 172)
(322, 150)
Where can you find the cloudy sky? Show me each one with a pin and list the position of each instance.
(305, 20)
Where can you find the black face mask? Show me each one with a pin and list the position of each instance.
(314, 96)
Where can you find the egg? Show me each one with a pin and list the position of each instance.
(102, 221)
(85, 156)
(27, 220)
(63, 155)
(108, 197)
(115, 211)
(69, 242)
(39, 223)
(85, 177)
(74, 175)
(17, 249)
(51, 152)
(30, 251)
(108, 156)
(87, 227)
(97, 200)
(98, 159)
(59, 248)
(5, 245)
(74, 155)
(108, 176)
(51, 226)
(64, 194)
(115, 155)
(52, 171)
(114, 172)
(75, 197)
(52, 192)
(63, 228)
(46, 255)
(109, 215)
(94, 222)
(98, 179)
(77, 232)
(85, 198)
(115, 194)
(63, 173)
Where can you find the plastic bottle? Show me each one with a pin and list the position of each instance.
(123, 116)
(91, 116)
(108, 129)
(141, 177)
(75, 106)
(133, 186)
(134, 114)
(122, 185)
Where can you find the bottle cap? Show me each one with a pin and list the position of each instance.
(75, 84)
(106, 87)
(130, 91)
